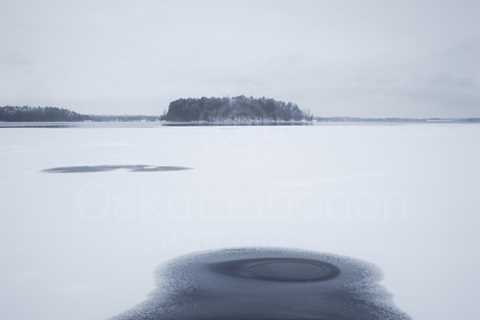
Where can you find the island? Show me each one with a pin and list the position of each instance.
(240, 109)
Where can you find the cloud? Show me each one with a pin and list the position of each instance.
(401, 59)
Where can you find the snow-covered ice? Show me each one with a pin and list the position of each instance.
(84, 245)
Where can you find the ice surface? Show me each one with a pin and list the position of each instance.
(85, 245)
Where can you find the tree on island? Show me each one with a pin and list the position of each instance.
(239, 108)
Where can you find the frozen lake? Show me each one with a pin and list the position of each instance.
(87, 214)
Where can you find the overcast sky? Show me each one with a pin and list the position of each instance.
(359, 58)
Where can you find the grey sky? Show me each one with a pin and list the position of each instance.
(360, 58)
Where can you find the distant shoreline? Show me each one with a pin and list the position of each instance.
(398, 120)
(12, 116)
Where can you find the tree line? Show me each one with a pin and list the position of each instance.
(54, 114)
(26, 113)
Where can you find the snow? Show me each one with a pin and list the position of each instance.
(85, 245)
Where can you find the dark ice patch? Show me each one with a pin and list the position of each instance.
(261, 284)
(104, 168)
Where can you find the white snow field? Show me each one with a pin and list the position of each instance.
(84, 245)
